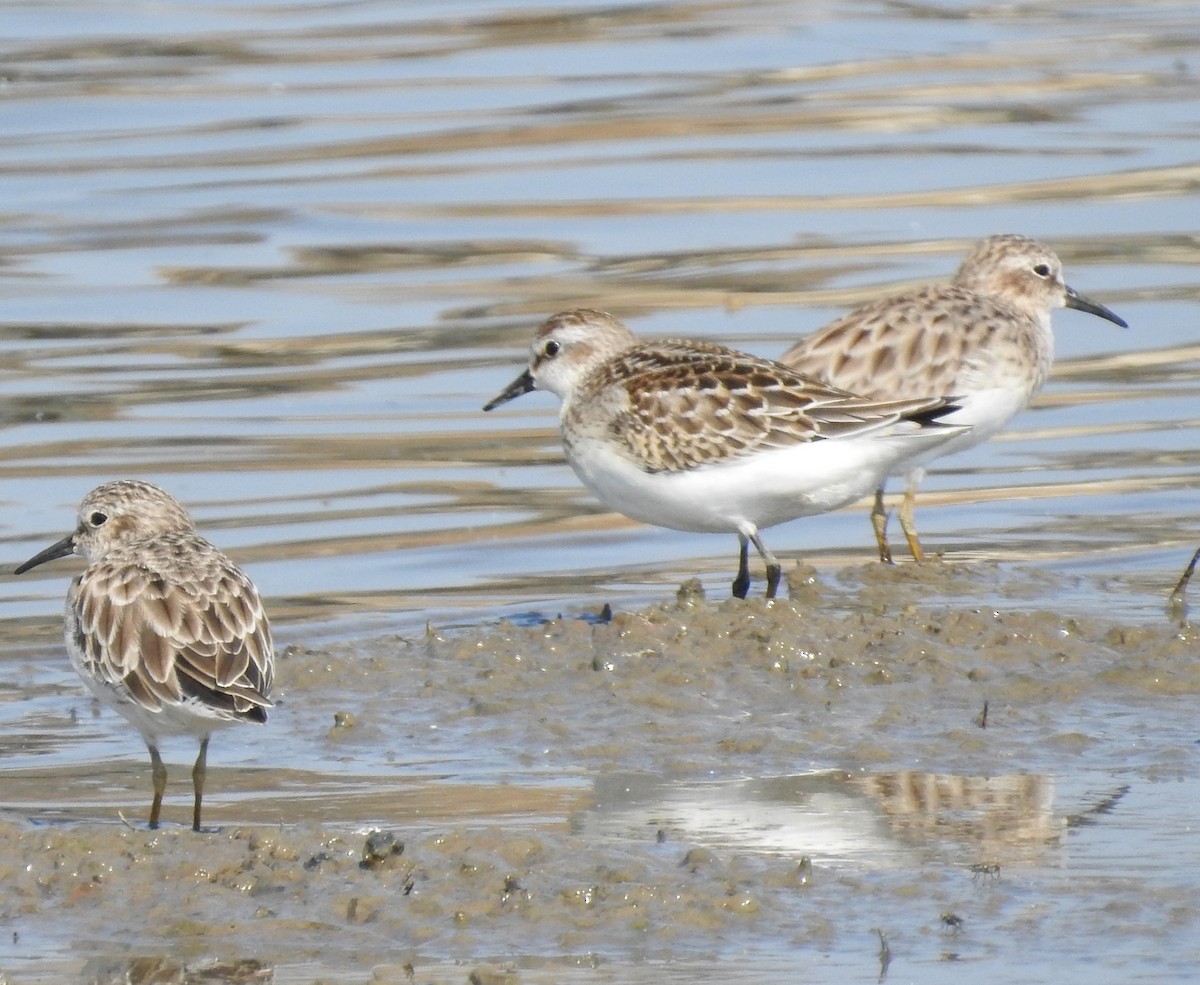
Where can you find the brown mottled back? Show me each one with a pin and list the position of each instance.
(676, 405)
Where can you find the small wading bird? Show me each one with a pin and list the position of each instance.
(161, 625)
(695, 436)
(984, 337)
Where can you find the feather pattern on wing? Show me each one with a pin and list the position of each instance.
(930, 340)
(166, 633)
(678, 405)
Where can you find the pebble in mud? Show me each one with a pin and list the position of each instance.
(380, 848)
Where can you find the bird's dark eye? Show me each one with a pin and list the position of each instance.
(1042, 270)
(98, 519)
(552, 349)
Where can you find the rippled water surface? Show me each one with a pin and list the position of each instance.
(276, 256)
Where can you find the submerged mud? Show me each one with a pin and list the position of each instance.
(863, 775)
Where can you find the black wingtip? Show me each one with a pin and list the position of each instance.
(932, 416)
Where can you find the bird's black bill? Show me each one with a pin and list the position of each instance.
(61, 549)
(522, 384)
(1080, 303)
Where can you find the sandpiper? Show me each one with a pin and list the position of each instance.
(695, 436)
(161, 625)
(985, 338)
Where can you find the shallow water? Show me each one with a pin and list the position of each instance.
(276, 256)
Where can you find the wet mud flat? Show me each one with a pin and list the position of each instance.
(865, 779)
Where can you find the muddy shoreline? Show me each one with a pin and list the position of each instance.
(692, 780)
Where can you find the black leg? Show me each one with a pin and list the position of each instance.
(159, 774)
(741, 584)
(1177, 592)
(199, 771)
(774, 571)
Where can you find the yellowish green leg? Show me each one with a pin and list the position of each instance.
(879, 520)
(908, 506)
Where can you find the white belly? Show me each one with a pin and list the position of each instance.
(987, 412)
(749, 493)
